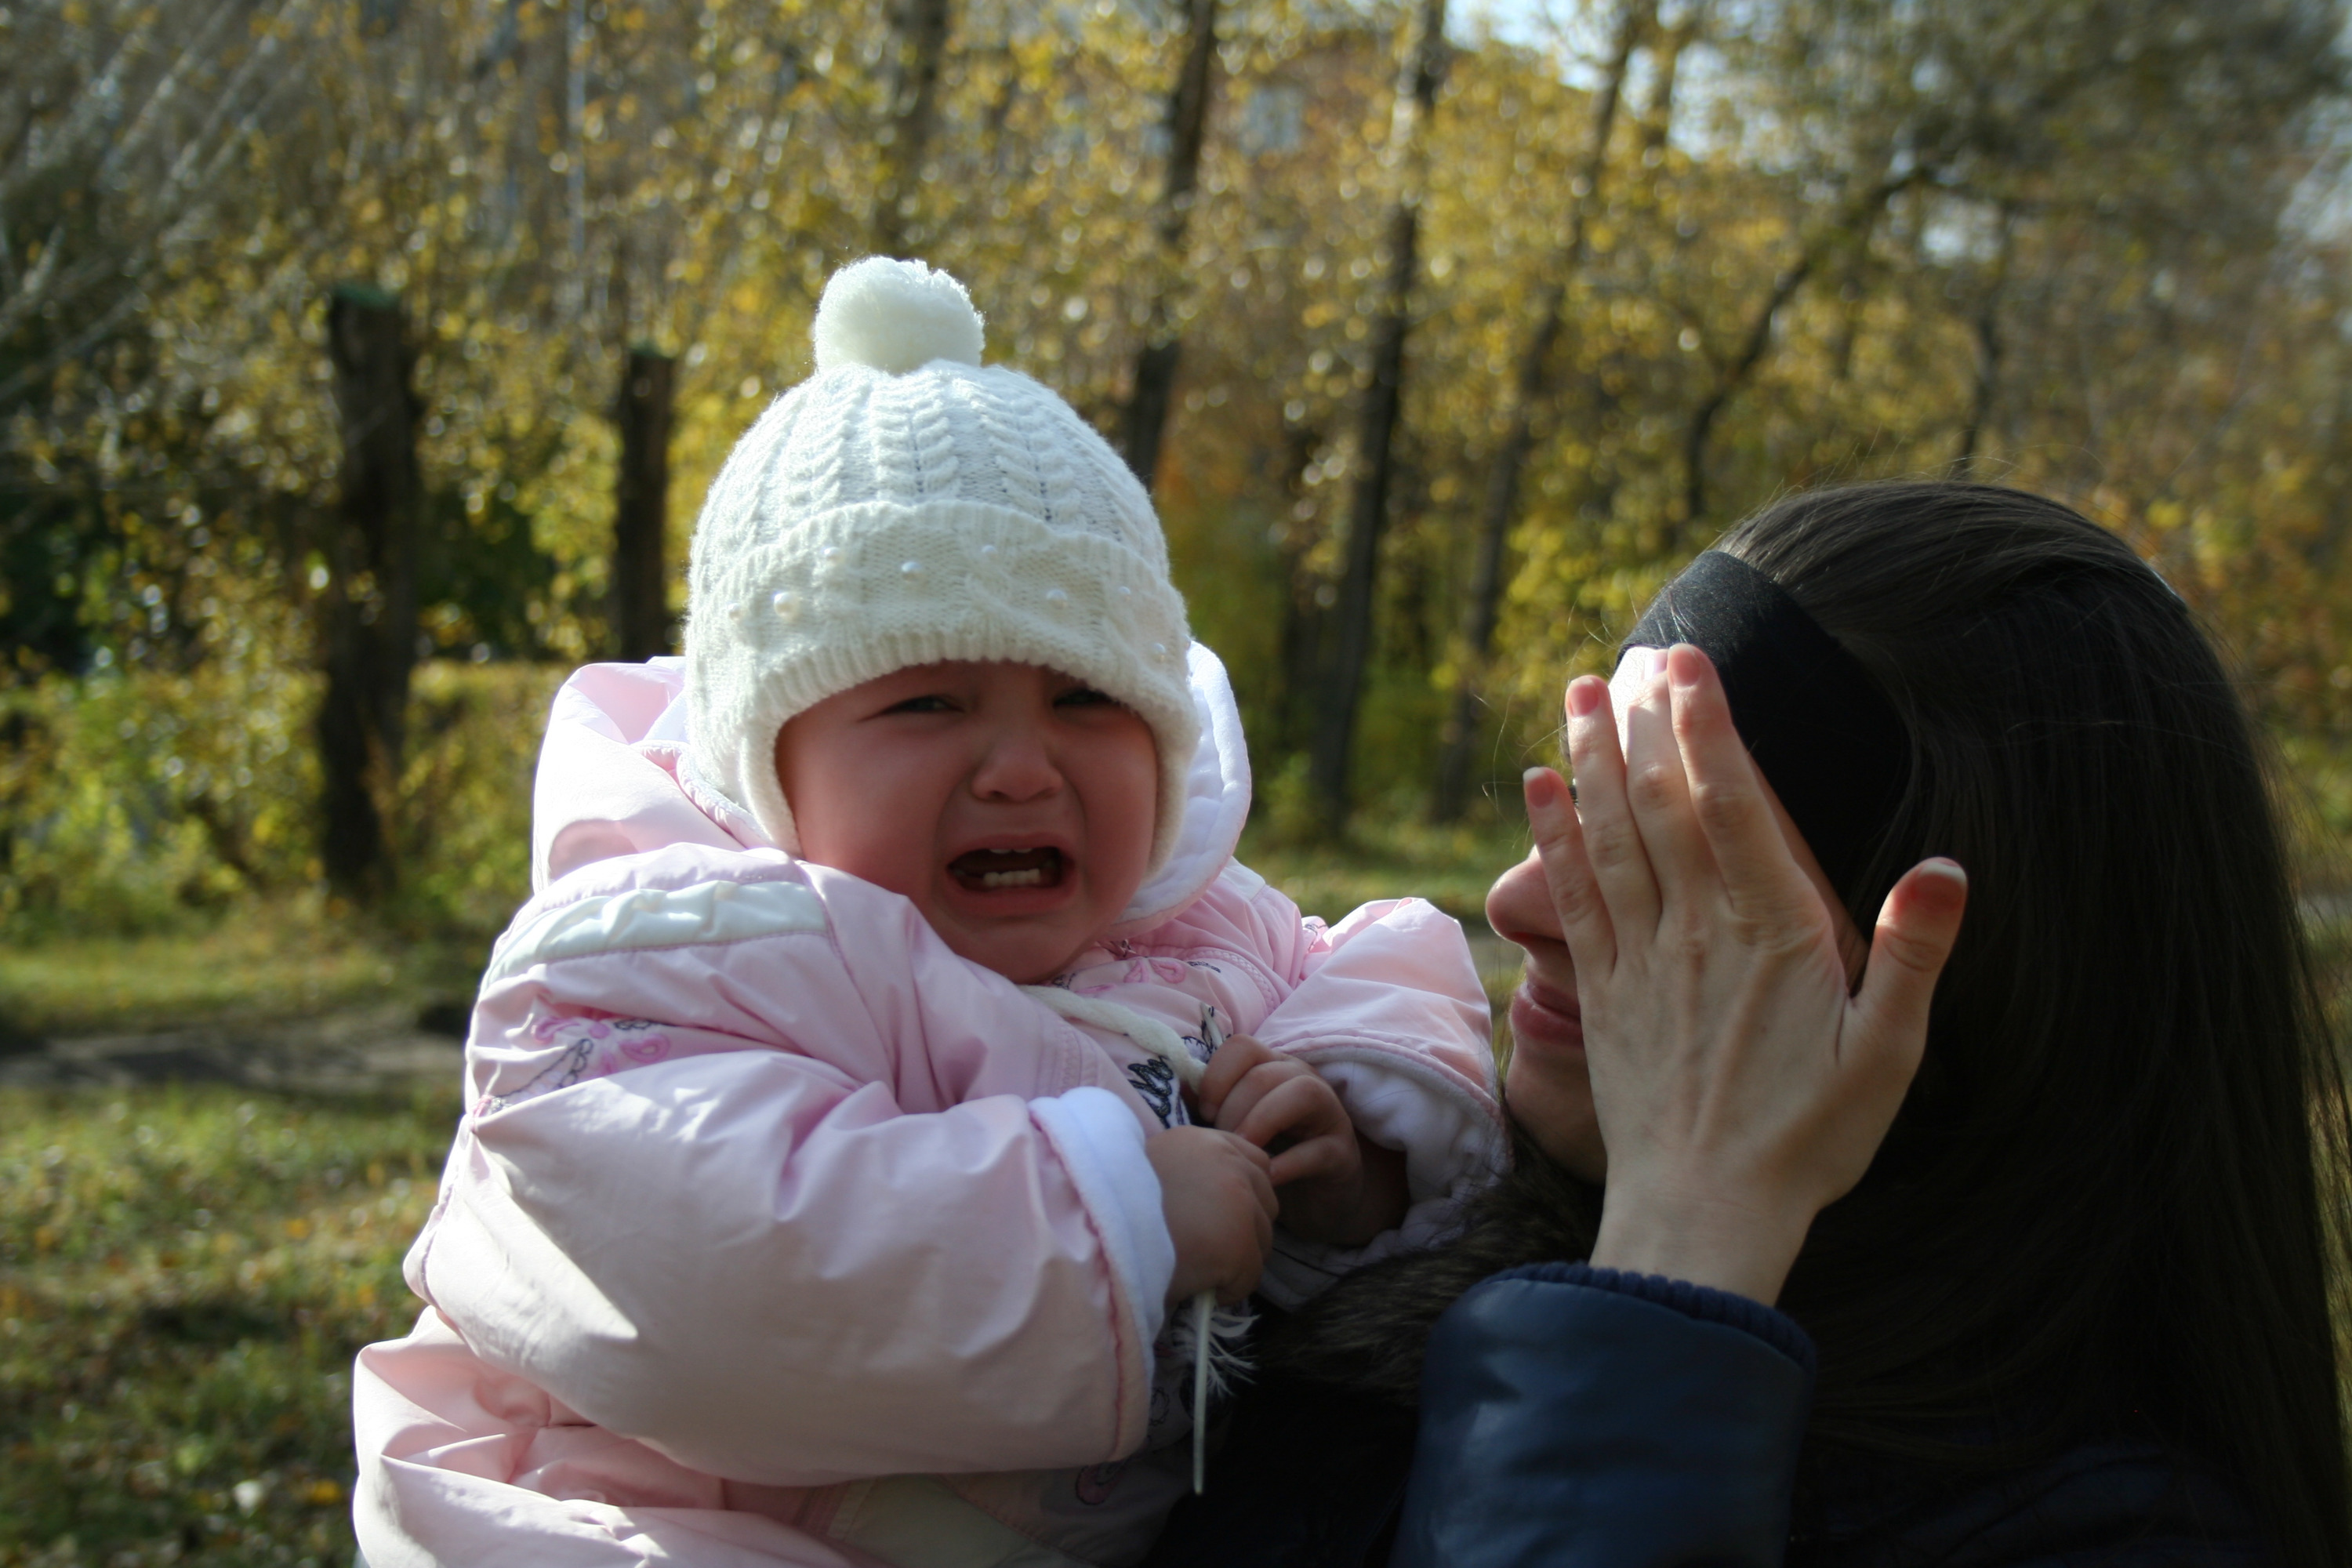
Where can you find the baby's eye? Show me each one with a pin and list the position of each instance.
(930, 702)
(1084, 697)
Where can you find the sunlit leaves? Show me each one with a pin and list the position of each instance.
(2096, 233)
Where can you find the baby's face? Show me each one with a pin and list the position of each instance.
(1013, 805)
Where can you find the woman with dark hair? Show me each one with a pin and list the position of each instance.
(2062, 1298)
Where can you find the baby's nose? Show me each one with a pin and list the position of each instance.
(1017, 765)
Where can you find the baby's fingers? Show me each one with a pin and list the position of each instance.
(1268, 1205)
(1232, 1062)
(1256, 1211)
(1231, 1112)
(1259, 1174)
(1297, 1105)
(1327, 1155)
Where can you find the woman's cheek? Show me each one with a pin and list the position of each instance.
(1551, 1101)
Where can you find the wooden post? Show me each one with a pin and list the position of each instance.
(368, 611)
(640, 589)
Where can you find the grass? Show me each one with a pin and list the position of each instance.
(1451, 866)
(185, 1276)
(273, 961)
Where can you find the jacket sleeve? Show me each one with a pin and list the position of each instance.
(835, 1257)
(1388, 1008)
(1575, 1417)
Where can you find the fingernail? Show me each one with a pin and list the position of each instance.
(1584, 696)
(1946, 884)
(1538, 784)
(1682, 671)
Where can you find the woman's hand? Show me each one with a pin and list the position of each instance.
(1741, 1083)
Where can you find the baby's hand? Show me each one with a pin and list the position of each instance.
(1334, 1187)
(1219, 1202)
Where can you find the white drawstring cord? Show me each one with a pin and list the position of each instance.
(1205, 1306)
(1165, 1042)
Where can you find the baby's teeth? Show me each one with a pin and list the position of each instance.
(1028, 877)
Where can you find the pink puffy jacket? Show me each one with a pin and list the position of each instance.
(776, 1233)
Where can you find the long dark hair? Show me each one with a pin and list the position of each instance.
(2111, 1202)
(2112, 1197)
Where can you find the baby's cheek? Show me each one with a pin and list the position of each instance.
(1124, 809)
(864, 836)
(886, 866)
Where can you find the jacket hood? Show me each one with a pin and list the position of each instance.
(615, 778)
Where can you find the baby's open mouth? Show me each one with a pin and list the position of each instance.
(986, 870)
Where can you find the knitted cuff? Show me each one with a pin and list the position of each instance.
(1703, 1302)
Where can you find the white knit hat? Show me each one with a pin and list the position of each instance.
(904, 506)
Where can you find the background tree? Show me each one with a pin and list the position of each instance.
(1146, 415)
(1406, 158)
(369, 616)
(640, 511)
(1657, 266)
(1525, 397)
(919, 40)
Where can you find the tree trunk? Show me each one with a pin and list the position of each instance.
(2320, 552)
(921, 28)
(1989, 350)
(1527, 396)
(1330, 763)
(575, 179)
(1298, 651)
(1657, 118)
(640, 601)
(1727, 383)
(1146, 415)
(368, 619)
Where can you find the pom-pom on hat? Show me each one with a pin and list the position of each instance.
(896, 316)
(905, 505)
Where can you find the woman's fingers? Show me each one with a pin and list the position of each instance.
(1916, 928)
(1727, 797)
(1658, 783)
(1576, 898)
(1612, 847)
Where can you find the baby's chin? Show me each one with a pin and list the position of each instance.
(1025, 952)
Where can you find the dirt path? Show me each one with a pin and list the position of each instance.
(379, 1047)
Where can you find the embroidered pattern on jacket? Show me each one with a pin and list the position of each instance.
(585, 1046)
(1155, 1081)
(1213, 1033)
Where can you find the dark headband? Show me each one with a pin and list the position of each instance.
(1817, 724)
